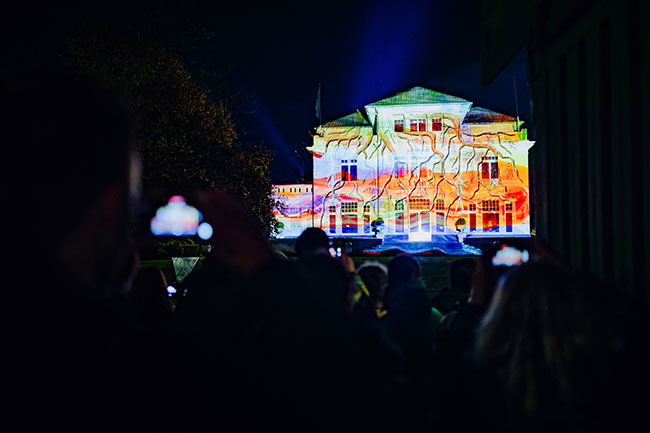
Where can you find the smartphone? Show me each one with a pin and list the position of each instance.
(178, 218)
(508, 255)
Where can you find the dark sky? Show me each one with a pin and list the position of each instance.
(358, 51)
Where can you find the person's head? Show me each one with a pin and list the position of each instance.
(403, 269)
(327, 281)
(312, 242)
(541, 324)
(71, 139)
(375, 277)
(461, 272)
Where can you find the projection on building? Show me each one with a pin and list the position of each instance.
(413, 166)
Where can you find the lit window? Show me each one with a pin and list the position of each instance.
(494, 170)
(436, 124)
(440, 204)
(399, 125)
(489, 168)
(349, 207)
(417, 125)
(348, 169)
(490, 205)
(401, 168)
(399, 216)
(440, 221)
(419, 204)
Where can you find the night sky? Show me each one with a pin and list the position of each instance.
(278, 54)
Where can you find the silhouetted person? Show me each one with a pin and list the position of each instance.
(546, 351)
(271, 342)
(370, 306)
(461, 272)
(312, 242)
(409, 320)
(75, 366)
(453, 373)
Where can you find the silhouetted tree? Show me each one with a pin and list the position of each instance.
(187, 141)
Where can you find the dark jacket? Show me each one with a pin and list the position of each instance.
(409, 323)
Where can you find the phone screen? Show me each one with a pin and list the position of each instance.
(178, 218)
(510, 256)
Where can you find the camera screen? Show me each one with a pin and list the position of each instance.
(510, 256)
(177, 218)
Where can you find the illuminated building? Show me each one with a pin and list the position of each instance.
(417, 165)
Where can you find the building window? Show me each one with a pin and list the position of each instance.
(440, 221)
(490, 206)
(348, 169)
(399, 216)
(489, 168)
(294, 210)
(350, 223)
(436, 124)
(440, 204)
(350, 218)
(332, 211)
(349, 207)
(401, 168)
(416, 125)
(419, 204)
(366, 218)
(491, 221)
(472, 207)
(509, 206)
(509, 222)
(399, 125)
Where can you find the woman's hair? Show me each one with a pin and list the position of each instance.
(540, 336)
(375, 276)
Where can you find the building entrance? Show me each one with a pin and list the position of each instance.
(420, 226)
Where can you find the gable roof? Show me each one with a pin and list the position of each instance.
(483, 115)
(418, 95)
(353, 119)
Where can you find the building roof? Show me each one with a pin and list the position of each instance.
(418, 95)
(353, 119)
(483, 115)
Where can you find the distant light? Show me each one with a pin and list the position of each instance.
(204, 231)
(171, 289)
(176, 218)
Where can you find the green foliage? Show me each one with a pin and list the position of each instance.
(180, 247)
(186, 141)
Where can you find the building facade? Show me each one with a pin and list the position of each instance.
(413, 166)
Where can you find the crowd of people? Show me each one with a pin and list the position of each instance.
(261, 341)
